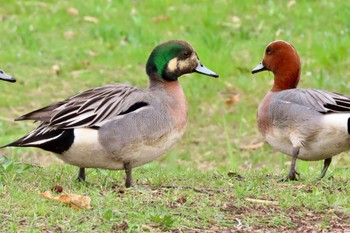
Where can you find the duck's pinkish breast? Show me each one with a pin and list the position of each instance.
(264, 122)
(178, 107)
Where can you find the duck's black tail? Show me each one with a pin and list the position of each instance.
(57, 141)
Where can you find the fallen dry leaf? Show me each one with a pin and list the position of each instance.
(160, 18)
(76, 201)
(85, 63)
(69, 35)
(91, 53)
(77, 73)
(232, 100)
(279, 32)
(236, 19)
(291, 3)
(56, 69)
(91, 19)
(73, 11)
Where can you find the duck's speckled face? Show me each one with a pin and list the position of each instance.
(172, 59)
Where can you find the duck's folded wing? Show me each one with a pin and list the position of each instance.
(319, 100)
(89, 108)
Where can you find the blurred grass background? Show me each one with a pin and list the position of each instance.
(56, 49)
(99, 42)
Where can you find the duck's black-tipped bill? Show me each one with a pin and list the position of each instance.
(6, 77)
(258, 68)
(204, 70)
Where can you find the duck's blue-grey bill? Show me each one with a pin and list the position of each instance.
(258, 68)
(6, 77)
(204, 70)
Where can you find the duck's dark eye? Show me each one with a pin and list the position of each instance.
(268, 51)
(186, 54)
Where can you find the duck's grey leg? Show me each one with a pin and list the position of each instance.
(293, 172)
(326, 164)
(81, 175)
(128, 179)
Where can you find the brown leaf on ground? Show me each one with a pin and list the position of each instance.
(160, 18)
(91, 19)
(232, 99)
(76, 201)
(92, 53)
(85, 63)
(77, 73)
(291, 3)
(69, 35)
(73, 11)
(56, 69)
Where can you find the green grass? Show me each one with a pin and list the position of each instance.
(229, 37)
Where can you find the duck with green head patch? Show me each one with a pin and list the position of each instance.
(119, 126)
(173, 60)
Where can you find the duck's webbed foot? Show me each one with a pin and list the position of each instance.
(292, 175)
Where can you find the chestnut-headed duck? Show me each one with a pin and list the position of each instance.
(305, 124)
(6, 77)
(118, 126)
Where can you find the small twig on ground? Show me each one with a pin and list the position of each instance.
(239, 223)
(261, 201)
(148, 227)
(252, 146)
(196, 189)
